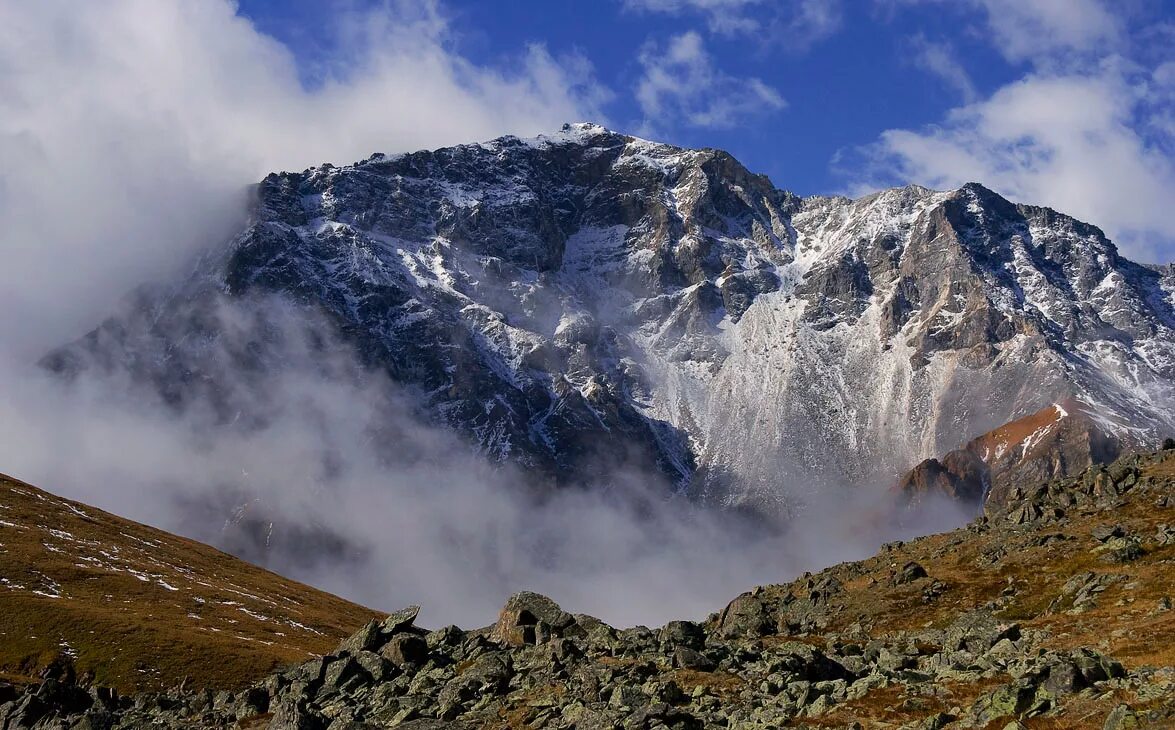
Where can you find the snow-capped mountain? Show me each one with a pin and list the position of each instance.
(589, 300)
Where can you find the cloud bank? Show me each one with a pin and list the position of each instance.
(129, 131)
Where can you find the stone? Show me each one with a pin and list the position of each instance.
(519, 620)
(1120, 550)
(745, 616)
(909, 573)
(1101, 533)
(1009, 701)
(405, 650)
(1122, 718)
(368, 638)
(1064, 677)
(682, 633)
(978, 631)
(687, 658)
(291, 714)
(399, 621)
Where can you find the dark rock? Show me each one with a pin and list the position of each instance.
(978, 631)
(368, 638)
(1121, 550)
(405, 650)
(1064, 677)
(519, 620)
(1095, 667)
(682, 633)
(396, 622)
(1101, 533)
(292, 714)
(687, 658)
(745, 616)
(909, 573)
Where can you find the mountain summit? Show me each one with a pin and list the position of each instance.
(587, 301)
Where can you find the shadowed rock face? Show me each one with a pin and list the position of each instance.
(961, 475)
(1058, 441)
(587, 301)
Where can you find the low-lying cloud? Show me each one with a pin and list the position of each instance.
(368, 499)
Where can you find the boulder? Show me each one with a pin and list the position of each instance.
(909, 573)
(405, 650)
(530, 618)
(399, 621)
(686, 658)
(978, 631)
(747, 616)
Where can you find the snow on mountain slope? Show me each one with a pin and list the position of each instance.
(588, 301)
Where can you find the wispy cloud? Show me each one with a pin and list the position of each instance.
(939, 58)
(680, 85)
(793, 25)
(1070, 142)
(1087, 130)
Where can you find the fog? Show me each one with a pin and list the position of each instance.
(369, 500)
(129, 134)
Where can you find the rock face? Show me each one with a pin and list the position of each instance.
(1060, 440)
(990, 626)
(588, 299)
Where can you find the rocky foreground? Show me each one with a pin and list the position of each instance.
(1050, 611)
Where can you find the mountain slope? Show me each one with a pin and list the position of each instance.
(588, 301)
(1047, 613)
(132, 607)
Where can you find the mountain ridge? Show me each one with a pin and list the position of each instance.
(585, 301)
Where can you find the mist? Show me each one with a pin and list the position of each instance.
(353, 490)
(130, 133)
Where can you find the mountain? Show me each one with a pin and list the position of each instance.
(1046, 612)
(89, 595)
(589, 303)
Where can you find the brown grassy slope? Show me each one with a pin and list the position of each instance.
(140, 608)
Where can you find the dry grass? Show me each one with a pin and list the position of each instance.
(138, 608)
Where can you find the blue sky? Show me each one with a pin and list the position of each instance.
(842, 83)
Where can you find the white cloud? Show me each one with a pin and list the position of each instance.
(938, 58)
(128, 130)
(680, 85)
(722, 16)
(1071, 142)
(1032, 29)
(1041, 31)
(786, 24)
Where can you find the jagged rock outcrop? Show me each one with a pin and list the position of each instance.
(1060, 440)
(587, 300)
